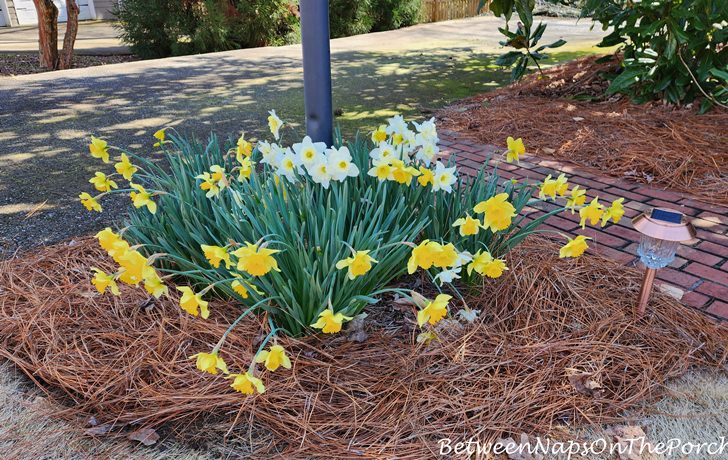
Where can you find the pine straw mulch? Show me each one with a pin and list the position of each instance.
(653, 143)
(550, 330)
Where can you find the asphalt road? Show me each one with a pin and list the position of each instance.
(46, 119)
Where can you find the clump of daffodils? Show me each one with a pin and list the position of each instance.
(305, 231)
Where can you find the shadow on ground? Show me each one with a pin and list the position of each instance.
(45, 125)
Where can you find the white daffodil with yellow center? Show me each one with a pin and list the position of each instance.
(320, 174)
(444, 178)
(308, 153)
(384, 153)
(287, 166)
(341, 164)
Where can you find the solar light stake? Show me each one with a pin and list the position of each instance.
(662, 231)
(317, 70)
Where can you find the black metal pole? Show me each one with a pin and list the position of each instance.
(317, 70)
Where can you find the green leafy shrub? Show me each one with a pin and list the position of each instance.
(394, 14)
(674, 50)
(159, 28)
(350, 17)
(524, 39)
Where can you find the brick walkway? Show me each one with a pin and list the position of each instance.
(699, 274)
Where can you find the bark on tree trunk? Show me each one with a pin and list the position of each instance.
(47, 33)
(69, 39)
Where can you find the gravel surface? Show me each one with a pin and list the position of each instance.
(27, 63)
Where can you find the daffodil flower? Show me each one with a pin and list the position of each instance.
(515, 149)
(243, 149)
(275, 124)
(99, 149)
(107, 238)
(426, 176)
(577, 197)
(256, 261)
(359, 264)
(309, 154)
(498, 212)
(142, 198)
(210, 363)
(426, 131)
(574, 247)
(468, 225)
(444, 178)
(191, 301)
(382, 171)
(379, 134)
(287, 166)
(215, 255)
(614, 212)
(593, 212)
(103, 281)
(423, 256)
(246, 169)
(102, 183)
(125, 168)
(427, 152)
(330, 322)
(154, 285)
(401, 173)
(135, 267)
(551, 187)
(274, 358)
(89, 202)
(484, 264)
(341, 164)
(246, 383)
(434, 311)
(445, 256)
(160, 135)
(448, 276)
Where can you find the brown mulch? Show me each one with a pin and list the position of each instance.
(567, 117)
(555, 344)
(27, 63)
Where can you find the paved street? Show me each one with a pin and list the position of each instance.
(46, 119)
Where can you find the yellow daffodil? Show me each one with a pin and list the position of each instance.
(208, 184)
(154, 285)
(426, 176)
(246, 169)
(379, 134)
(614, 212)
(423, 256)
(330, 322)
(498, 212)
(107, 238)
(256, 261)
(577, 197)
(246, 383)
(468, 225)
(592, 213)
(99, 149)
(484, 264)
(118, 250)
(135, 267)
(274, 358)
(160, 135)
(243, 149)
(102, 281)
(445, 256)
(552, 187)
(241, 286)
(426, 337)
(210, 363)
(89, 202)
(575, 247)
(275, 124)
(515, 149)
(360, 263)
(102, 183)
(402, 174)
(215, 255)
(381, 171)
(190, 301)
(142, 198)
(434, 311)
(125, 168)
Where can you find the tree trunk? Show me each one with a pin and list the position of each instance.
(47, 33)
(69, 39)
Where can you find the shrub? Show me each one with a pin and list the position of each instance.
(673, 49)
(350, 17)
(159, 28)
(394, 14)
(312, 235)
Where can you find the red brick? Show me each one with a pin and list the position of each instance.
(712, 248)
(709, 225)
(465, 148)
(672, 205)
(668, 195)
(720, 219)
(599, 237)
(627, 233)
(561, 223)
(713, 290)
(617, 255)
(618, 183)
(707, 235)
(713, 274)
(677, 277)
(627, 194)
(698, 256)
(588, 183)
(714, 208)
(695, 299)
(719, 309)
